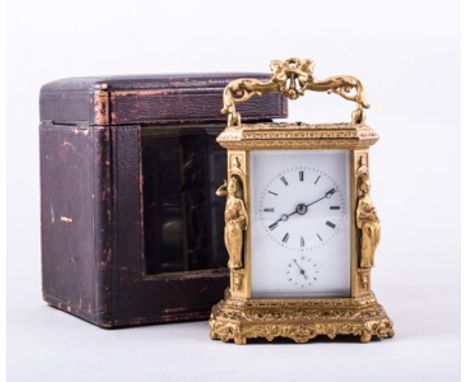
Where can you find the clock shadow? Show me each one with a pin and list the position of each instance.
(319, 339)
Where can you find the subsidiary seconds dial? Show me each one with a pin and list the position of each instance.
(302, 272)
(302, 208)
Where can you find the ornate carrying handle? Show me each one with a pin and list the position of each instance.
(291, 78)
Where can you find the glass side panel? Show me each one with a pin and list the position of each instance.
(183, 218)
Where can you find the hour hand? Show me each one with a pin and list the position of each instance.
(282, 218)
(273, 225)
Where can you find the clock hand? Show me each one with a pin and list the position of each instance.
(327, 195)
(282, 218)
(301, 270)
(301, 208)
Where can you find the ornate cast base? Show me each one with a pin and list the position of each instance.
(300, 320)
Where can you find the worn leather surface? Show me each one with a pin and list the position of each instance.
(92, 234)
(91, 195)
(171, 98)
(70, 267)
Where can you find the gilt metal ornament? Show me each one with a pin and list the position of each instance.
(366, 220)
(291, 79)
(235, 220)
(241, 316)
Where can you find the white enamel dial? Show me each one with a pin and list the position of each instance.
(302, 272)
(300, 223)
(314, 220)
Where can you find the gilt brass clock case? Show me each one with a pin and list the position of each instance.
(241, 315)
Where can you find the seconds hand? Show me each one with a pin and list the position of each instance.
(301, 271)
(301, 209)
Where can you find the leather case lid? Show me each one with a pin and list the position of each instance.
(150, 99)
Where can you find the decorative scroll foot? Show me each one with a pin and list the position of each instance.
(240, 340)
(299, 319)
(366, 337)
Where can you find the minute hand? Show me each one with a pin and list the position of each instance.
(285, 217)
(327, 195)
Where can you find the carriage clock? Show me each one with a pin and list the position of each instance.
(301, 229)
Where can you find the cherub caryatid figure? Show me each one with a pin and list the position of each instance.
(235, 220)
(367, 221)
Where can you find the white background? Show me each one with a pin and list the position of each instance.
(407, 55)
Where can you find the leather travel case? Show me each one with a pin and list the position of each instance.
(132, 232)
